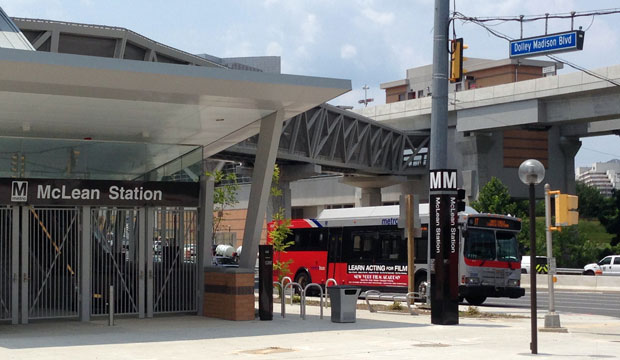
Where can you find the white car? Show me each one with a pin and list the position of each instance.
(541, 264)
(609, 265)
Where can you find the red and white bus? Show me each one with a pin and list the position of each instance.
(365, 247)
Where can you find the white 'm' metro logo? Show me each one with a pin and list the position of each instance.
(19, 191)
(443, 179)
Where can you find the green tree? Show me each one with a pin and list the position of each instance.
(494, 198)
(610, 216)
(279, 230)
(224, 196)
(591, 202)
(524, 236)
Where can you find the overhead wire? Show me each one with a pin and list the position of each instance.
(498, 34)
(529, 18)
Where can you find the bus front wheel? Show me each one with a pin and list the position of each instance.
(475, 300)
(420, 287)
(303, 279)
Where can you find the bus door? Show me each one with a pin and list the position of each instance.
(334, 251)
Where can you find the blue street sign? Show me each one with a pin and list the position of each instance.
(547, 44)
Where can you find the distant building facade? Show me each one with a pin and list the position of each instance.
(605, 176)
(478, 73)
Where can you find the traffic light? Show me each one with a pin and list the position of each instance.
(460, 200)
(456, 60)
(566, 210)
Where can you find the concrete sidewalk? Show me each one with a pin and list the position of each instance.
(374, 336)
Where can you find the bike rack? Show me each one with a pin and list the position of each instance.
(283, 299)
(367, 298)
(409, 298)
(303, 299)
(410, 301)
(301, 291)
(330, 280)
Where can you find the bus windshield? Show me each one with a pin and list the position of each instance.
(491, 245)
(507, 246)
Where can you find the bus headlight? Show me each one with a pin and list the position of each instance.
(472, 281)
(514, 282)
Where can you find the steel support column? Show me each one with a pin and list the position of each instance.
(149, 225)
(141, 261)
(86, 271)
(15, 278)
(269, 138)
(23, 279)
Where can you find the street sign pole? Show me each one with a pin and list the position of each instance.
(552, 319)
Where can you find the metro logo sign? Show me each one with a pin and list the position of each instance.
(443, 180)
(19, 191)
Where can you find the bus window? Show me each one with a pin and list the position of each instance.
(480, 245)
(362, 245)
(507, 246)
(357, 243)
(393, 246)
(308, 240)
(335, 245)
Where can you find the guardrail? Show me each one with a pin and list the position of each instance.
(579, 283)
(568, 271)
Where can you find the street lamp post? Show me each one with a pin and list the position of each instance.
(532, 173)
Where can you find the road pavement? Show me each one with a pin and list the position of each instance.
(581, 302)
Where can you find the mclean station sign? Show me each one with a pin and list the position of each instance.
(97, 192)
(547, 44)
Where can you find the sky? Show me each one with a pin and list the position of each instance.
(367, 41)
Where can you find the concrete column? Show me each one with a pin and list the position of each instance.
(417, 187)
(570, 147)
(371, 197)
(288, 174)
(370, 193)
(268, 140)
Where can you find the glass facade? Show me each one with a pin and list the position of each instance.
(98, 160)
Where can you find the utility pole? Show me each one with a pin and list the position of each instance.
(439, 106)
(442, 186)
(366, 100)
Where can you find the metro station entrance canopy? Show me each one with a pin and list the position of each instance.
(64, 96)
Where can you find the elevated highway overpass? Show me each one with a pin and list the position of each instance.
(493, 129)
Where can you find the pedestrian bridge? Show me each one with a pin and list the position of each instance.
(343, 141)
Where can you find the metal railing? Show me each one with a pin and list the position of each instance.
(569, 271)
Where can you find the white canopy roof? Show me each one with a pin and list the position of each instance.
(66, 96)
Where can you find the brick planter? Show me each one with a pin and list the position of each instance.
(229, 293)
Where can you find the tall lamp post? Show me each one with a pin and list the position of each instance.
(532, 173)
